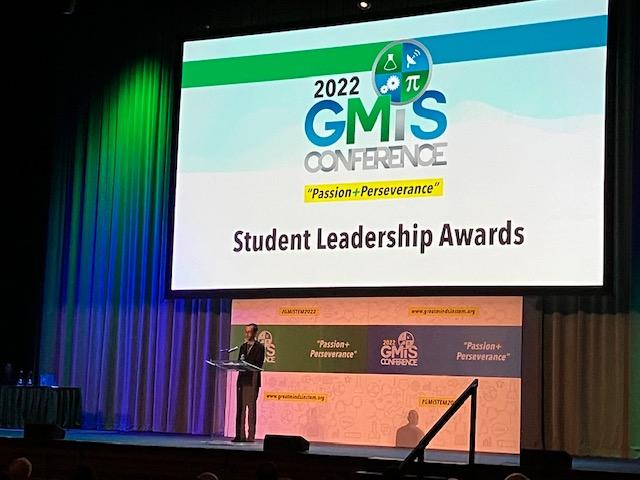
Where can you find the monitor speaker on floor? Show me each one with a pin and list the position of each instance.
(43, 431)
(285, 443)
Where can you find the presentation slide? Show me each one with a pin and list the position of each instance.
(464, 148)
(381, 371)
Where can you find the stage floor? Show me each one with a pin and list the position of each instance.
(200, 441)
(148, 439)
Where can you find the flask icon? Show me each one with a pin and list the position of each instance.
(390, 64)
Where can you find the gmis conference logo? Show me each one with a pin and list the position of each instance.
(400, 76)
(401, 352)
(266, 338)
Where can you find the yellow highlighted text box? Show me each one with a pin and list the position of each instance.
(296, 397)
(435, 402)
(441, 311)
(299, 311)
(383, 190)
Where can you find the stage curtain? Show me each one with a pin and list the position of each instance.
(107, 328)
(585, 380)
(586, 339)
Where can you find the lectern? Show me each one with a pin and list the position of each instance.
(240, 366)
(226, 365)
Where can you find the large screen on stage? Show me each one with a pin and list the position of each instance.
(464, 148)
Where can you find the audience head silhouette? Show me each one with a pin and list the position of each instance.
(207, 476)
(20, 469)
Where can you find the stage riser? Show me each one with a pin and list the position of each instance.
(56, 460)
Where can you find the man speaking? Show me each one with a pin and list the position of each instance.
(251, 351)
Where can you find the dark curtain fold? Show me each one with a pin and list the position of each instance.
(138, 358)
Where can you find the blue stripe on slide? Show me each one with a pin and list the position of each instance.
(554, 36)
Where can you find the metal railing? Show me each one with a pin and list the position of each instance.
(418, 451)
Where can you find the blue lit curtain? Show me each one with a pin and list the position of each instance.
(138, 358)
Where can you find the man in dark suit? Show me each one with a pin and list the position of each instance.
(251, 351)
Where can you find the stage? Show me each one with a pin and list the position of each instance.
(156, 455)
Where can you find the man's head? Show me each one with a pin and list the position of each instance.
(412, 417)
(20, 469)
(250, 332)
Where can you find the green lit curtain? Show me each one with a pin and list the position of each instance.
(107, 328)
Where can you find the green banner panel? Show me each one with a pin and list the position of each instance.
(310, 348)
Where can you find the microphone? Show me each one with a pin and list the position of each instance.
(229, 350)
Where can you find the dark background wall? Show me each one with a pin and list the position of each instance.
(29, 112)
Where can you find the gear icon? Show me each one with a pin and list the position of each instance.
(384, 89)
(393, 82)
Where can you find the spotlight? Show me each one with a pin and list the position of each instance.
(363, 5)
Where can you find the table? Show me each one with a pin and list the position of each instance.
(59, 405)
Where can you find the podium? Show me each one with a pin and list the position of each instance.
(240, 366)
(227, 365)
